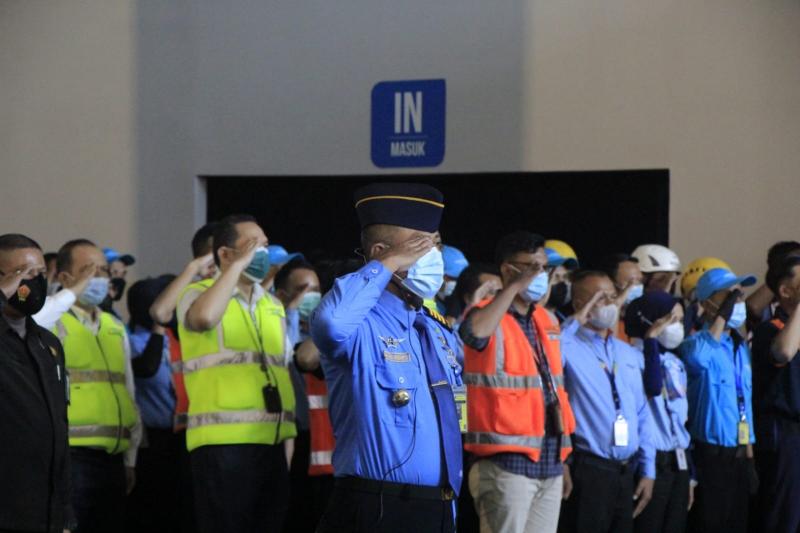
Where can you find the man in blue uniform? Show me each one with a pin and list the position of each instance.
(390, 365)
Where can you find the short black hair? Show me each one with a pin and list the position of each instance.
(580, 275)
(610, 263)
(225, 233)
(781, 271)
(467, 283)
(200, 242)
(328, 270)
(17, 241)
(282, 277)
(781, 249)
(50, 256)
(517, 242)
(64, 259)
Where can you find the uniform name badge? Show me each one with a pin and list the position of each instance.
(680, 455)
(620, 431)
(460, 396)
(744, 432)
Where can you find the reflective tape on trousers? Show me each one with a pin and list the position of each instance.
(237, 417)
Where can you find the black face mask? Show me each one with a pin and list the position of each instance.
(118, 284)
(558, 295)
(29, 298)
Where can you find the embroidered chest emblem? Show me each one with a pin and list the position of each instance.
(390, 342)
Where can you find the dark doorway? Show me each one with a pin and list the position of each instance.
(596, 212)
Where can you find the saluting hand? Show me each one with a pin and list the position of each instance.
(9, 282)
(401, 257)
(244, 256)
(582, 316)
(661, 324)
(643, 494)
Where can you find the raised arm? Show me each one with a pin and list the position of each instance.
(163, 308)
(787, 342)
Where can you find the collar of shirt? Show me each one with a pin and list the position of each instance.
(89, 319)
(521, 316)
(258, 293)
(398, 309)
(598, 343)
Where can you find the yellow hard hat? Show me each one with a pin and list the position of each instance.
(563, 249)
(697, 268)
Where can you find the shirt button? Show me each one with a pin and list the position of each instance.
(374, 270)
(401, 379)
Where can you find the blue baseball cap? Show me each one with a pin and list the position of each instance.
(454, 261)
(113, 255)
(718, 279)
(279, 256)
(555, 259)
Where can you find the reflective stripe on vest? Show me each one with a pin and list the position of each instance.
(321, 458)
(111, 432)
(181, 398)
(316, 401)
(504, 382)
(226, 373)
(237, 417)
(87, 376)
(507, 440)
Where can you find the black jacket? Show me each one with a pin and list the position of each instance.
(34, 447)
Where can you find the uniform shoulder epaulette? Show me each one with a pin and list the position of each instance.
(437, 316)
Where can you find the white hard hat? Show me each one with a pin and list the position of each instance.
(656, 258)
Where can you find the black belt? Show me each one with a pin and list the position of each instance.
(619, 467)
(402, 490)
(667, 460)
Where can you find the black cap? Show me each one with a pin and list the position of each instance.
(408, 205)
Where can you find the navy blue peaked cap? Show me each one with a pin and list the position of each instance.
(408, 205)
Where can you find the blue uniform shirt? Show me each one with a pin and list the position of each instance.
(155, 396)
(370, 349)
(712, 369)
(590, 396)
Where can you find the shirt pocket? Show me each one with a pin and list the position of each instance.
(393, 379)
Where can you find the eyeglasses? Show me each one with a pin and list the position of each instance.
(537, 267)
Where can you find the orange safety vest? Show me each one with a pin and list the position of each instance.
(505, 400)
(181, 398)
(322, 440)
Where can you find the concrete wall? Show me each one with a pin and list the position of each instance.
(113, 108)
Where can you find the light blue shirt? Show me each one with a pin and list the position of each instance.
(591, 399)
(370, 349)
(711, 368)
(155, 396)
(670, 409)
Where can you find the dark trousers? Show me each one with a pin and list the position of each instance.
(601, 499)
(668, 509)
(241, 488)
(352, 511)
(780, 485)
(98, 490)
(162, 501)
(722, 497)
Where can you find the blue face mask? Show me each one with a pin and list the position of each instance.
(636, 292)
(425, 277)
(307, 305)
(95, 292)
(739, 316)
(258, 268)
(537, 288)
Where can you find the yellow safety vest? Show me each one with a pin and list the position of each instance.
(226, 369)
(101, 412)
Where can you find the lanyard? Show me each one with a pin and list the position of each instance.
(610, 374)
(540, 358)
(737, 371)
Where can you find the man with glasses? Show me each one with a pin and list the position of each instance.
(519, 420)
(613, 446)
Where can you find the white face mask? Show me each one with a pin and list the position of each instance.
(448, 288)
(672, 336)
(605, 317)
